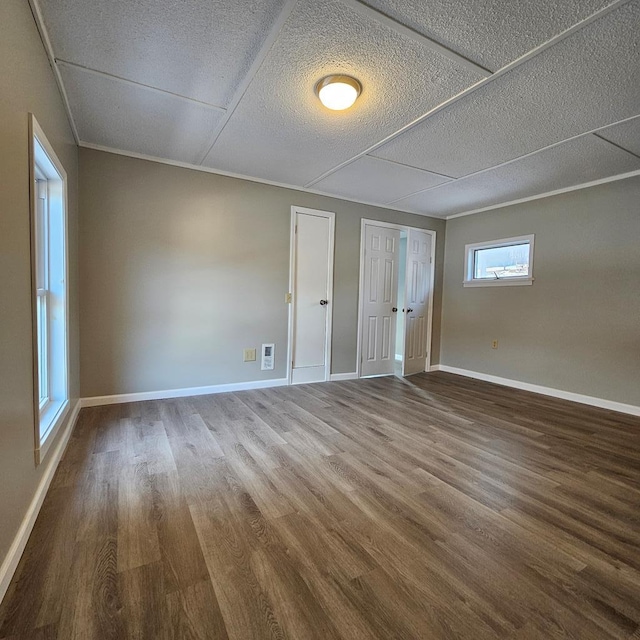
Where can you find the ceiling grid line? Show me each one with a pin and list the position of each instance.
(546, 194)
(230, 174)
(418, 37)
(46, 41)
(268, 42)
(408, 166)
(523, 157)
(597, 15)
(133, 83)
(615, 144)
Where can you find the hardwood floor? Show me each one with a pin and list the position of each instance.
(432, 508)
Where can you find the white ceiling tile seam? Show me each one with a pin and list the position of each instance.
(197, 48)
(540, 196)
(615, 144)
(140, 85)
(184, 165)
(481, 83)
(626, 134)
(267, 44)
(412, 34)
(370, 179)
(580, 161)
(229, 174)
(415, 193)
(408, 166)
(126, 116)
(523, 157)
(46, 42)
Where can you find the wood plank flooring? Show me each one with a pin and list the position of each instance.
(432, 508)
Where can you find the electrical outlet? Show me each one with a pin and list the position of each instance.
(249, 355)
(494, 344)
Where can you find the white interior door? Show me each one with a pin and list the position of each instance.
(380, 300)
(312, 280)
(416, 301)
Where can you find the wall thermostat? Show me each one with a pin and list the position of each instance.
(267, 357)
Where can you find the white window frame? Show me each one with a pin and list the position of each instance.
(49, 279)
(469, 263)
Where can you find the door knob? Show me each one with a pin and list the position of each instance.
(409, 310)
(323, 302)
(395, 309)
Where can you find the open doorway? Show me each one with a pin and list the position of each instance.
(396, 299)
(400, 322)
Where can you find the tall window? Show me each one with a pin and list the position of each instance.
(49, 248)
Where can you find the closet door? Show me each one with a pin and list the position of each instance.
(380, 296)
(312, 304)
(417, 283)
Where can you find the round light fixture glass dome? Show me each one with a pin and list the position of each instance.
(338, 92)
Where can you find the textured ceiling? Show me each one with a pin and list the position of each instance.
(576, 86)
(279, 116)
(465, 104)
(493, 33)
(201, 50)
(571, 163)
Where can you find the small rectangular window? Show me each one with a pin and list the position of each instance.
(499, 262)
(50, 295)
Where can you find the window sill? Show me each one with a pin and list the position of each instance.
(50, 421)
(510, 282)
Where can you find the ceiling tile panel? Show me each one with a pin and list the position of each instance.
(625, 135)
(378, 181)
(492, 33)
(124, 116)
(281, 132)
(587, 81)
(572, 163)
(196, 48)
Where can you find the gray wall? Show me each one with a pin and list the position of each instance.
(26, 85)
(180, 270)
(577, 328)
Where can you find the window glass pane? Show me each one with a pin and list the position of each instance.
(41, 235)
(501, 262)
(41, 321)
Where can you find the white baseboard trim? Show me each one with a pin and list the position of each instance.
(601, 403)
(183, 393)
(337, 377)
(10, 562)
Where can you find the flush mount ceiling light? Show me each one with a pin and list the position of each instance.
(338, 92)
